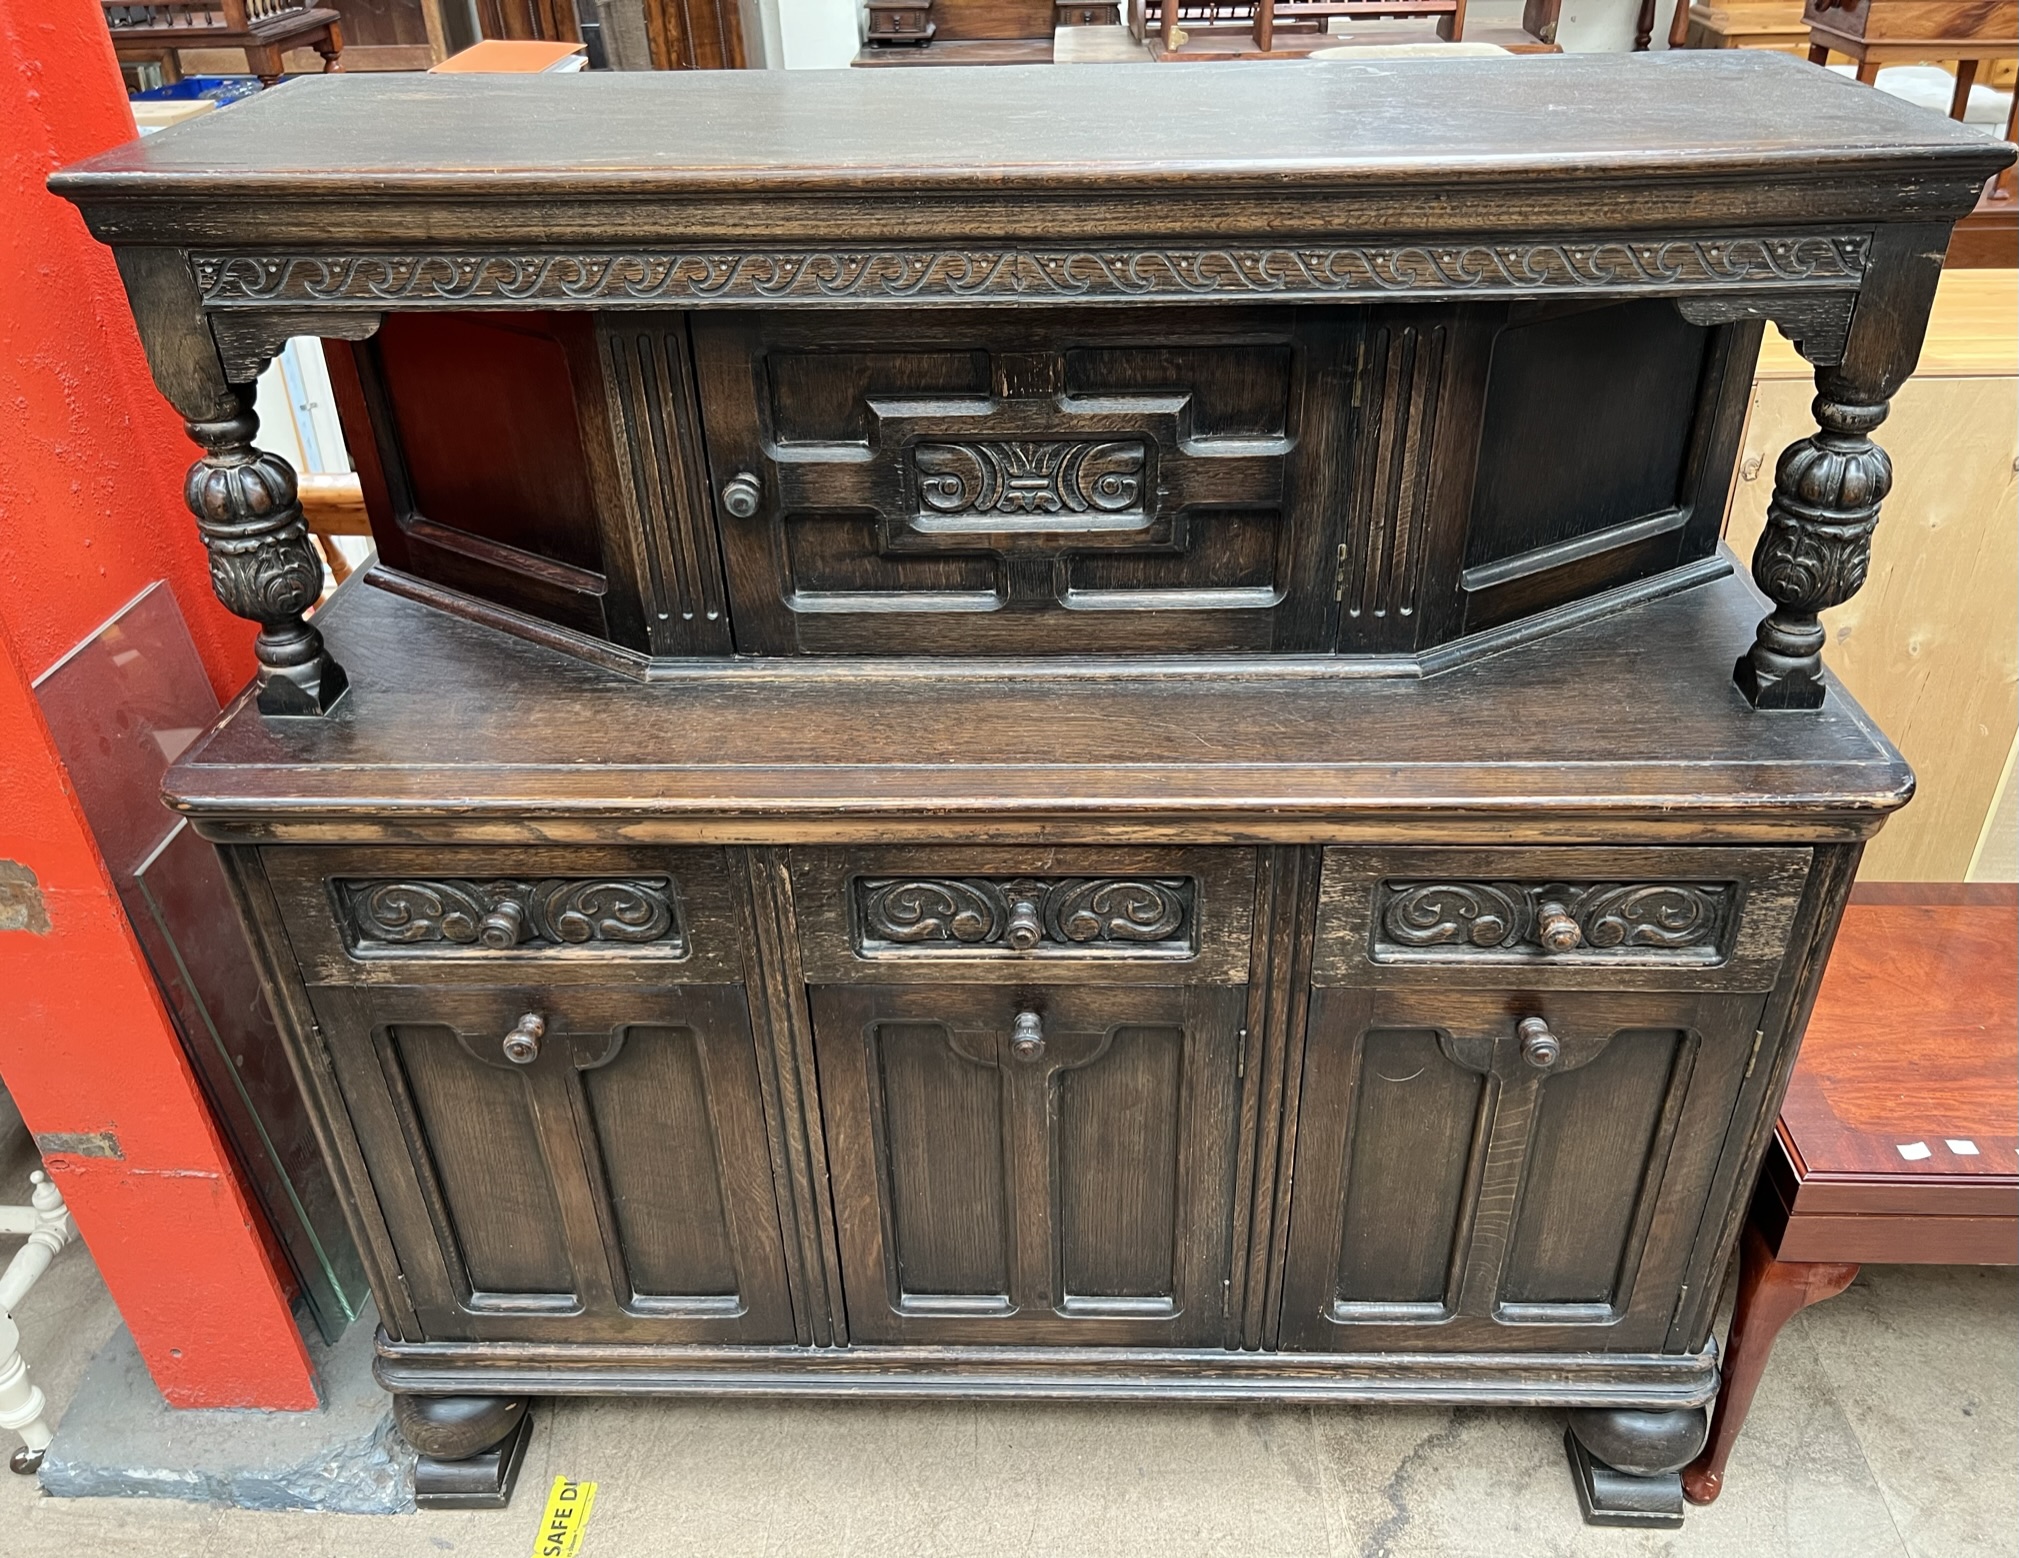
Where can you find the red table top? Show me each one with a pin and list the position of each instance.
(1912, 1056)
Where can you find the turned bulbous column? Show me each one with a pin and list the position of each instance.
(1814, 550)
(262, 564)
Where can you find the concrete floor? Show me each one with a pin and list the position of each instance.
(1888, 1426)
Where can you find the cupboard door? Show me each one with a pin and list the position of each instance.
(1050, 481)
(1031, 1166)
(568, 1163)
(1513, 1171)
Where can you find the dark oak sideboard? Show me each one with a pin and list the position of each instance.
(1054, 761)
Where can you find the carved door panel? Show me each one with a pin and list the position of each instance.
(1031, 1166)
(1505, 1171)
(567, 1163)
(1043, 483)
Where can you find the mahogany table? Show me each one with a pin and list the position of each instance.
(1895, 1144)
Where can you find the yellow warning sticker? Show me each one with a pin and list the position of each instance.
(566, 1518)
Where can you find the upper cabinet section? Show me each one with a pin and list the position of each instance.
(855, 364)
(1372, 481)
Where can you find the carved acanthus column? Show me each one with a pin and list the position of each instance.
(262, 564)
(1815, 548)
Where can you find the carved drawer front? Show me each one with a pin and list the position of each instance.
(455, 915)
(563, 1163)
(1036, 1165)
(1050, 482)
(1164, 916)
(1506, 1171)
(1558, 918)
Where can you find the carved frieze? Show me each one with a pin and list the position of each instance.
(991, 477)
(912, 275)
(1553, 918)
(1026, 915)
(507, 914)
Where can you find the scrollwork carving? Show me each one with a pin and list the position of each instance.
(1134, 910)
(544, 914)
(975, 913)
(1473, 918)
(1650, 914)
(1030, 477)
(1626, 265)
(1437, 914)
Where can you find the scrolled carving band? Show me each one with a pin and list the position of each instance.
(651, 275)
(1504, 916)
(976, 912)
(554, 911)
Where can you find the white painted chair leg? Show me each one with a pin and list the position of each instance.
(46, 1222)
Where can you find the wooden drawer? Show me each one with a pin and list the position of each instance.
(1163, 916)
(393, 915)
(1558, 918)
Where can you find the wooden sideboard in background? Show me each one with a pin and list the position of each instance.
(1928, 646)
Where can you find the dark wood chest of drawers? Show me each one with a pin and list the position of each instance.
(1065, 764)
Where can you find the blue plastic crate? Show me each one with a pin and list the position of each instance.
(219, 89)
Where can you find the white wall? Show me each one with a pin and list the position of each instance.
(811, 34)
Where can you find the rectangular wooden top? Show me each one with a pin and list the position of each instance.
(1910, 1069)
(1624, 728)
(1688, 132)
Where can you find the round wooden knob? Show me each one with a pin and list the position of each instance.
(740, 494)
(1556, 929)
(522, 1044)
(501, 928)
(1026, 930)
(1539, 1047)
(1027, 1036)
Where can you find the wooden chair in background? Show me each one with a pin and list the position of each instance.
(157, 30)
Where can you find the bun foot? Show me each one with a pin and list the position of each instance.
(469, 1448)
(1626, 1465)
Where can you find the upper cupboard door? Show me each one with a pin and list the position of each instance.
(1041, 483)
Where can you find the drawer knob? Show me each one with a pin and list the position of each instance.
(501, 929)
(522, 1044)
(740, 495)
(1555, 928)
(1027, 1036)
(1026, 930)
(1539, 1047)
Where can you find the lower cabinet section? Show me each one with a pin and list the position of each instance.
(578, 1162)
(1038, 1165)
(1505, 1172)
(1484, 1123)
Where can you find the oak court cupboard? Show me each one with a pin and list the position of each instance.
(1059, 759)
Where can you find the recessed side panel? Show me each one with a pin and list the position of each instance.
(487, 463)
(1604, 1125)
(1605, 450)
(940, 1113)
(655, 1130)
(1119, 1127)
(1415, 1117)
(474, 1139)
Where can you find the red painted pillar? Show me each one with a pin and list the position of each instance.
(91, 465)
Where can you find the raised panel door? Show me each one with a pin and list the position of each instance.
(568, 1163)
(1505, 1171)
(1036, 1166)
